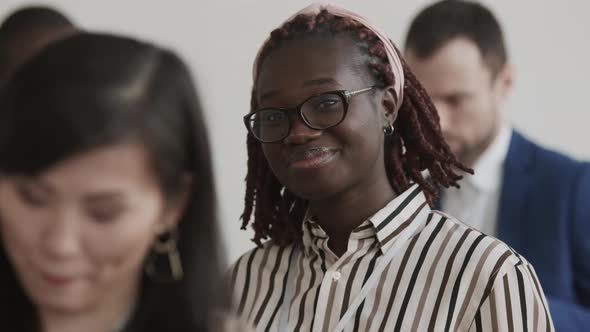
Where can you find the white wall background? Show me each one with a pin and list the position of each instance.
(547, 41)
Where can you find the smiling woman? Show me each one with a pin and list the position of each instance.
(340, 136)
(107, 205)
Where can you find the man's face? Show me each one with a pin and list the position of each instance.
(467, 95)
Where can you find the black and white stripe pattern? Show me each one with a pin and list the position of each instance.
(447, 277)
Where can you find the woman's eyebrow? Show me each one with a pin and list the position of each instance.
(315, 81)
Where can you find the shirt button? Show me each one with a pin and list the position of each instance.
(336, 275)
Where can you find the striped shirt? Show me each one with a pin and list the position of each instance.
(445, 276)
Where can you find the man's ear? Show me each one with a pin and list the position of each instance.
(503, 82)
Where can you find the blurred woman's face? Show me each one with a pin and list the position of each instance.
(78, 233)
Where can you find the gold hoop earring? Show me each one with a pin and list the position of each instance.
(165, 245)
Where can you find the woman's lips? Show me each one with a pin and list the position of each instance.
(311, 158)
(58, 281)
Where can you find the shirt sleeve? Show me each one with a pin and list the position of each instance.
(516, 302)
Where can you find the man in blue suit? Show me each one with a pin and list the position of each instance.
(534, 199)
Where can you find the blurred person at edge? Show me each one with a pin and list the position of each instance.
(107, 201)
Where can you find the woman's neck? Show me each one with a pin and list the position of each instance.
(341, 214)
(105, 316)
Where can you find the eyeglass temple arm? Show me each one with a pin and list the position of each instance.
(355, 92)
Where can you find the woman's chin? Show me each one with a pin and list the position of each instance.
(315, 190)
(65, 301)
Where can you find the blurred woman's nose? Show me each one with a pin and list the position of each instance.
(61, 235)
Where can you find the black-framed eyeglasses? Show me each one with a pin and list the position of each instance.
(319, 112)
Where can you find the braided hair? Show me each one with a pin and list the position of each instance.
(416, 144)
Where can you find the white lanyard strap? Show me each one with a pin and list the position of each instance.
(284, 320)
(376, 275)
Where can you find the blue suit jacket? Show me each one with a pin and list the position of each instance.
(544, 214)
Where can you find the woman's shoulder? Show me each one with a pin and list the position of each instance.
(268, 253)
(255, 270)
(482, 254)
(483, 274)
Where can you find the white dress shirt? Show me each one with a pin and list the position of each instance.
(476, 202)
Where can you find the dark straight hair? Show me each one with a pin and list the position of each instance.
(27, 26)
(31, 17)
(93, 90)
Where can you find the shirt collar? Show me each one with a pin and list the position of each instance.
(385, 225)
(489, 166)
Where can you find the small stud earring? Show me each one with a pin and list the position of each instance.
(388, 130)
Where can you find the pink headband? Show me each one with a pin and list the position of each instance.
(392, 56)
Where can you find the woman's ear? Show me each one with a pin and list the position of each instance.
(176, 205)
(388, 103)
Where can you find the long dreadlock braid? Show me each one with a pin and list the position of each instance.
(416, 144)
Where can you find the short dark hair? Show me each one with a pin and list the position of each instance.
(93, 90)
(32, 16)
(445, 20)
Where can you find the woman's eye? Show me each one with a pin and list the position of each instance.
(325, 105)
(274, 117)
(105, 215)
(31, 196)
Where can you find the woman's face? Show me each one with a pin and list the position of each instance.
(318, 164)
(78, 233)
